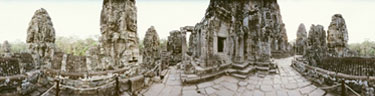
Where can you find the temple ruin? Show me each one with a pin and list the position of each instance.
(240, 47)
(328, 60)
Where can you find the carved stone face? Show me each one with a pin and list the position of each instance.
(131, 22)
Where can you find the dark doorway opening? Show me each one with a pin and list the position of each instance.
(220, 44)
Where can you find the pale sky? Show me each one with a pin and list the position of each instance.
(81, 17)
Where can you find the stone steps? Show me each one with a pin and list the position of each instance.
(272, 71)
(262, 63)
(195, 78)
(239, 75)
(236, 70)
(262, 74)
(247, 70)
(242, 74)
(240, 66)
(260, 68)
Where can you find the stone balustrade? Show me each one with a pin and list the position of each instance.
(360, 83)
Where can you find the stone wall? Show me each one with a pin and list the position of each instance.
(363, 85)
(25, 61)
(349, 65)
(96, 60)
(9, 66)
(19, 63)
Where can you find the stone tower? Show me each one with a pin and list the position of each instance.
(151, 52)
(301, 41)
(41, 38)
(337, 39)
(119, 40)
(317, 45)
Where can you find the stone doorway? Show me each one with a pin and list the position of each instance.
(220, 44)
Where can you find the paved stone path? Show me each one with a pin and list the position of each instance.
(287, 83)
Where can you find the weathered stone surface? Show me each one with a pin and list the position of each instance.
(119, 39)
(94, 58)
(176, 46)
(75, 63)
(41, 38)
(301, 41)
(6, 49)
(151, 51)
(25, 62)
(137, 83)
(337, 39)
(239, 31)
(9, 66)
(317, 45)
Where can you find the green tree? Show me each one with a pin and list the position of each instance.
(366, 48)
(163, 44)
(74, 45)
(18, 46)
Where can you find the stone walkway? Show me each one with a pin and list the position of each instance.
(287, 82)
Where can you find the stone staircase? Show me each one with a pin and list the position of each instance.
(242, 70)
(265, 68)
(238, 70)
(205, 74)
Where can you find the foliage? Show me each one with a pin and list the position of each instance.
(16, 47)
(74, 45)
(163, 44)
(366, 48)
(140, 46)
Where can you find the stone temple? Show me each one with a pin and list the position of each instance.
(239, 48)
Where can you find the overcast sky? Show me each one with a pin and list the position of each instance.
(81, 17)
